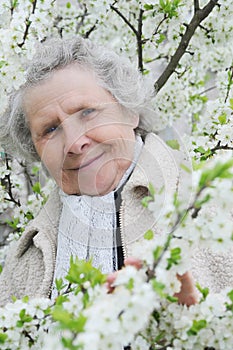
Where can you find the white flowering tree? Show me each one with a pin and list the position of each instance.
(186, 49)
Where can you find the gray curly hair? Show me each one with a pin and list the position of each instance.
(116, 74)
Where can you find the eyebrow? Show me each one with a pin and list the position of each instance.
(76, 105)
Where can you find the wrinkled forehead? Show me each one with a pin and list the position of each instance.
(71, 88)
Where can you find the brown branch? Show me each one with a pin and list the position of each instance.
(10, 185)
(229, 84)
(196, 5)
(207, 90)
(137, 32)
(191, 208)
(88, 33)
(28, 24)
(82, 19)
(139, 41)
(124, 19)
(221, 147)
(159, 24)
(197, 18)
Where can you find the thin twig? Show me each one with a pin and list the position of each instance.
(88, 33)
(28, 24)
(82, 19)
(159, 24)
(221, 147)
(207, 90)
(151, 272)
(139, 41)
(124, 19)
(9, 185)
(197, 18)
(229, 84)
(137, 31)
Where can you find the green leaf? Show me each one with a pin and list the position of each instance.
(130, 284)
(36, 188)
(60, 299)
(82, 271)
(203, 291)
(159, 337)
(149, 235)
(25, 299)
(200, 150)
(2, 63)
(231, 103)
(146, 200)
(24, 317)
(35, 169)
(230, 306)
(175, 257)
(185, 168)
(59, 284)
(161, 38)
(196, 327)
(68, 5)
(3, 338)
(157, 252)
(67, 320)
(13, 222)
(199, 203)
(174, 144)
(169, 7)
(151, 190)
(14, 3)
(198, 97)
(158, 287)
(29, 215)
(230, 295)
(220, 170)
(68, 344)
(148, 7)
(222, 119)
(171, 299)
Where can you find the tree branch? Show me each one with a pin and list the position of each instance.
(159, 24)
(137, 32)
(221, 147)
(197, 18)
(196, 5)
(28, 23)
(88, 33)
(124, 19)
(230, 82)
(10, 185)
(139, 41)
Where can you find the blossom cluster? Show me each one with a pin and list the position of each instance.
(196, 100)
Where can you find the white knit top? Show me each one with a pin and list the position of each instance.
(87, 227)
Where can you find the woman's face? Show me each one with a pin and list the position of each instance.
(82, 135)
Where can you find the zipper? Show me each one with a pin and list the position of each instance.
(51, 284)
(124, 249)
(53, 249)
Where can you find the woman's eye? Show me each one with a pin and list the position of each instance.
(87, 111)
(50, 130)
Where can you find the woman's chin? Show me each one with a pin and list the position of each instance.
(87, 189)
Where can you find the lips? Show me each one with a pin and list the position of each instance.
(86, 164)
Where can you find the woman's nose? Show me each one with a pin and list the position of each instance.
(76, 140)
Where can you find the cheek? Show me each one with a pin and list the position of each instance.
(49, 150)
(52, 158)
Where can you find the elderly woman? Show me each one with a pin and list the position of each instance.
(81, 112)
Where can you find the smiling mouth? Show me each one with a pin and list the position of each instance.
(86, 164)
